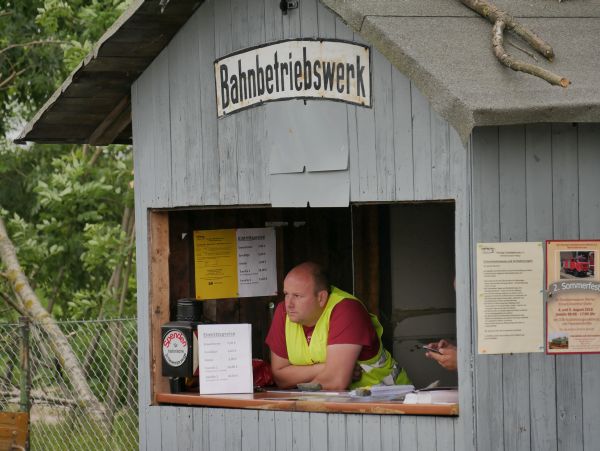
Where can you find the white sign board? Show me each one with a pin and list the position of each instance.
(510, 300)
(293, 69)
(225, 358)
(256, 259)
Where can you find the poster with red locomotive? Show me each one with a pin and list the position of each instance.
(573, 304)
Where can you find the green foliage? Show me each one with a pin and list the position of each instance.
(40, 43)
(66, 222)
(63, 208)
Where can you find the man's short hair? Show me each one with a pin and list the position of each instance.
(320, 277)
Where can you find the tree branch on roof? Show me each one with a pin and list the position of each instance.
(504, 21)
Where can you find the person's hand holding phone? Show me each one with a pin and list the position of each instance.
(443, 352)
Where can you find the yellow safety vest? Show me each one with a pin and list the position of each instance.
(380, 369)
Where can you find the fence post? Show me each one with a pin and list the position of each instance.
(25, 382)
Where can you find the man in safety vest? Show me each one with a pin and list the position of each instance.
(321, 334)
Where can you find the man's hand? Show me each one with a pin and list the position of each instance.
(447, 356)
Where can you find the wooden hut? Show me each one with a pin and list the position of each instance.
(453, 145)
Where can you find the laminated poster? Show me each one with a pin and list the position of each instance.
(573, 304)
(510, 299)
(235, 263)
(225, 358)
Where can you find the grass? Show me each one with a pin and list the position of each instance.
(76, 431)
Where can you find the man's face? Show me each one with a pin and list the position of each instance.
(302, 304)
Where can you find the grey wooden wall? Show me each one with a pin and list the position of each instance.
(400, 150)
(533, 183)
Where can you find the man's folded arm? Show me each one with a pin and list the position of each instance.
(340, 364)
(287, 375)
(334, 374)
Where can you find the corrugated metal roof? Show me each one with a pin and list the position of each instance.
(442, 46)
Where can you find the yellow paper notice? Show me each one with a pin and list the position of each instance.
(215, 261)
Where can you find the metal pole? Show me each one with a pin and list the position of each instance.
(25, 381)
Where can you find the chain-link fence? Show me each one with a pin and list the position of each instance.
(86, 403)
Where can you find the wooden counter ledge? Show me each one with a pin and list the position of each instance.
(301, 402)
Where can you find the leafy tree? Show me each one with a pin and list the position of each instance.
(68, 210)
(41, 41)
(70, 218)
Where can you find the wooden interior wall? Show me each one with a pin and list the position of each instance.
(533, 183)
(320, 235)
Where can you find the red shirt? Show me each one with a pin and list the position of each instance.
(349, 324)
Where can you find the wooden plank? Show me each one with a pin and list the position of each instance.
(513, 227)
(258, 192)
(233, 428)
(460, 183)
(273, 21)
(318, 431)
(250, 441)
(112, 124)
(440, 156)
(421, 128)
(141, 233)
(408, 433)
(160, 131)
(426, 437)
(291, 22)
(565, 201)
(158, 244)
(336, 432)
(243, 135)
(227, 135)
(205, 429)
(511, 170)
(266, 430)
(371, 432)
(273, 400)
(301, 431)
(184, 88)
(283, 431)
(403, 147)
(538, 163)
(367, 162)
(168, 429)
(354, 435)
(208, 108)
(343, 32)
(14, 428)
(153, 428)
(390, 433)
(184, 429)
(199, 435)
(589, 228)
(309, 23)
(384, 126)
(565, 187)
(444, 434)
(217, 426)
(485, 193)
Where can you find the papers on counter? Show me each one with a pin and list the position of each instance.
(386, 390)
(432, 397)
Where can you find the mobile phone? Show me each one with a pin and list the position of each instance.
(427, 348)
